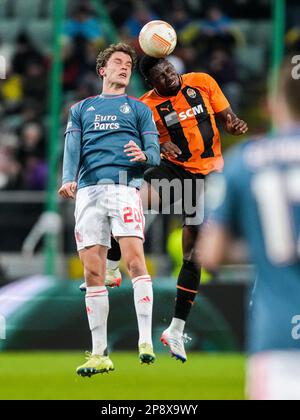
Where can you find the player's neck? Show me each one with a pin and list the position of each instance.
(113, 89)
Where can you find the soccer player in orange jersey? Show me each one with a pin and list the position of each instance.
(185, 109)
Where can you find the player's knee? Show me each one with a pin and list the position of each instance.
(190, 253)
(93, 274)
(190, 266)
(135, 266)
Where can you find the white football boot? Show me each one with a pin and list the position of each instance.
(113, 279)
(176, 343)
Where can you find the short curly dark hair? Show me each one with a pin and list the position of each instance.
(147, 63)
(105, 55)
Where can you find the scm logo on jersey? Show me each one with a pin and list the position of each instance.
(192, 112)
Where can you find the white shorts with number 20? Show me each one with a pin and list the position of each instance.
(104, 209)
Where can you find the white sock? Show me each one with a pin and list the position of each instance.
(177, 326)
(97, 306)
(112, 265)
(143, 300)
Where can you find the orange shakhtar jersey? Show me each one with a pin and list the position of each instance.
(188, 120)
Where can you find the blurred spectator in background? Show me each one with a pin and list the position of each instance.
(83, 24)
(30, 112)
(216, 29)
(293, 39)
(71, 66)
(35, 82)
(11, 92)
(10, 168)
(86, 89)
(25, 53)
(142, 14)
(293, 26)
(216, 22)
(118, 14)
(180, 19)
(223, 68)
(31, 155)
(32, 141)
(79, 61)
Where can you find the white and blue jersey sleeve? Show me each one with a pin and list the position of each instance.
(74, 120)
(149, 133)
(72, 147)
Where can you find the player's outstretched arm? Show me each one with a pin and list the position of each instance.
(70, 164)
(231, 123)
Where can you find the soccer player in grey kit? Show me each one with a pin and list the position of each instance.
(258, 198)
(110, 139)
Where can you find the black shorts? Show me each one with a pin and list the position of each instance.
(180, 189)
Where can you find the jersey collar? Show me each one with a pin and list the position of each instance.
(109, 96)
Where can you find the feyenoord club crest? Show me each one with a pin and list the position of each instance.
(125, 108)
(191, 93)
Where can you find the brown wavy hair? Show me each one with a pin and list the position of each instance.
(105, 55)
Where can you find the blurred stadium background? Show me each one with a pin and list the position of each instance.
(49, 48)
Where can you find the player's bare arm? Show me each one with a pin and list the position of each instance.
(231, 123)
(169, 149)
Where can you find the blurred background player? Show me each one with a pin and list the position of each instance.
(109, 138)
(184, 109)
(258, 197)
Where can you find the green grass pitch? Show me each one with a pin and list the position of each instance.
(52, 375)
